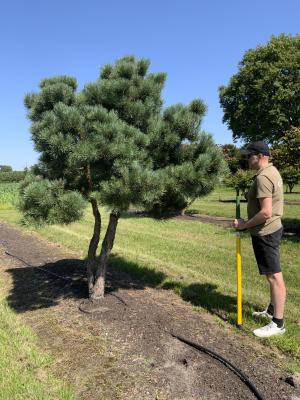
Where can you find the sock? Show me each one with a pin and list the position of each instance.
(278, 322)
(270, 309)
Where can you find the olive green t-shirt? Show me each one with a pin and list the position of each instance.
(267, 183)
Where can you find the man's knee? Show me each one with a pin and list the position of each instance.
(270, 277)
(276, 278)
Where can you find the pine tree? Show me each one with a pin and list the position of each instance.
(113, 144)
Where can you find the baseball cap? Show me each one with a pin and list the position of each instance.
(257, 148)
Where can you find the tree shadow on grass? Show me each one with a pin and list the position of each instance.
(35, 288)
(207, 296)
(165, 216)
(291, 229)
(133, 214)
(233, 201)
(44, 286)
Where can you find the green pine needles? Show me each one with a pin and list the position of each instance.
(44, 200)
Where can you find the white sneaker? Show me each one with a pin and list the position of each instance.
(263, 314)
(269, 330)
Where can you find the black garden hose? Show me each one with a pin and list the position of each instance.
(223, 360)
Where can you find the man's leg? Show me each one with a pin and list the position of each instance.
(266, 249)
(278, 293)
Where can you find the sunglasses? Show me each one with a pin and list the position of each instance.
(251, 154)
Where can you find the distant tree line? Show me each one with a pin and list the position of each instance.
(7, 175)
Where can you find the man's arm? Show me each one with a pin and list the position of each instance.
(259, 218)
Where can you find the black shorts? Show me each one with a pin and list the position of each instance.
(266, 250)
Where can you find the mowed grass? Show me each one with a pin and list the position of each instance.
(195, 260)
(221, 203)
(24, 370)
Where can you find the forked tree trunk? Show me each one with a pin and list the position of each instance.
(91, 259)
(107, 245)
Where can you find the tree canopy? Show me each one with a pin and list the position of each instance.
(286, 156)
(262, 100)
(240, 181)
(235, 160)
(286, 151)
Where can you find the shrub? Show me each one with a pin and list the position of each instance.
(240, 181)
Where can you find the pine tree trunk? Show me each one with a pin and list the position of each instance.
(107, 245)
(91, 259)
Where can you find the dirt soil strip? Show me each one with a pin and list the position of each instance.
(208, 219)
(126, 351)
(214, 220)
(227, 222)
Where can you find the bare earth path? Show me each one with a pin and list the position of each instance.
(127, 352)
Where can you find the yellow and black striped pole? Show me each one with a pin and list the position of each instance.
(239, 265)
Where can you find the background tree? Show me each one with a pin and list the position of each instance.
(286, 151)
(240, 181)
(113, 144)
(291, 177)
(233, 157)
(286, 156)
(262, 100)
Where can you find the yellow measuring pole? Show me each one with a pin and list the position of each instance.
(239, 279)
(239, 266)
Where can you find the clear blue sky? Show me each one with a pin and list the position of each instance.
(198, 43)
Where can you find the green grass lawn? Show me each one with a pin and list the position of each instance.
(221, 203)
(195, 260)
(24, 370)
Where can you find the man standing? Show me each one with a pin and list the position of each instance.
(265, 209)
